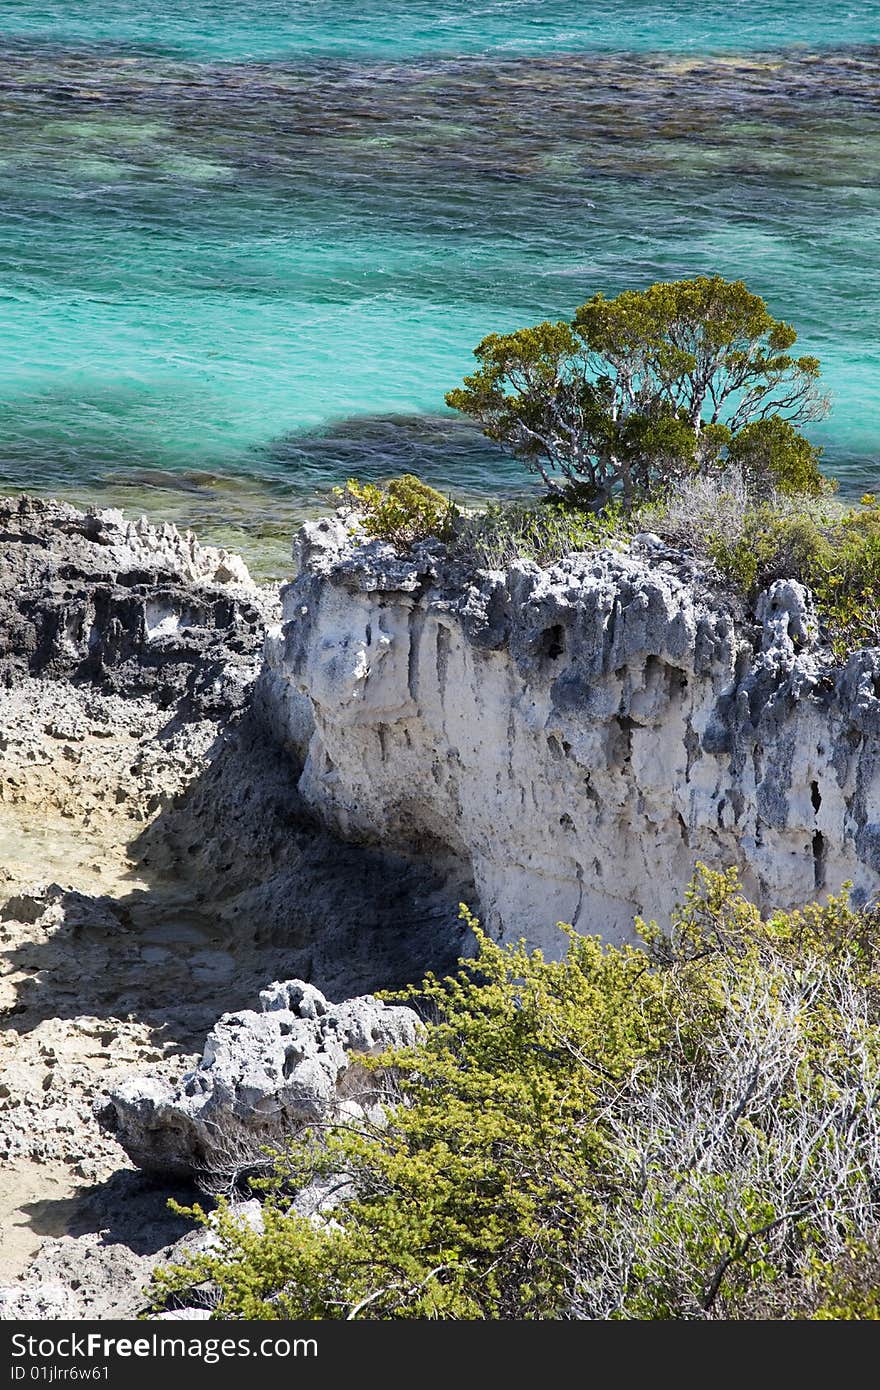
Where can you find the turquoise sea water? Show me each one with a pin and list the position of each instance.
(246, 247)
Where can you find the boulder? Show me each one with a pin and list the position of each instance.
(263, 1077)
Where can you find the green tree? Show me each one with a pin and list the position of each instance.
(642, 388)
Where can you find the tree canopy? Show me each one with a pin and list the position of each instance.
(649, 385)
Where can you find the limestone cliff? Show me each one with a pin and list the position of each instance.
(576, 738)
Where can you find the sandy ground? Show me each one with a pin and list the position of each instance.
(36, 1200)
(65, 954)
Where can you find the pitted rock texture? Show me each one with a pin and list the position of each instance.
(262, 1077)
(577, 737)
(91, 596)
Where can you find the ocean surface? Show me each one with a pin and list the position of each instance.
(246, 247)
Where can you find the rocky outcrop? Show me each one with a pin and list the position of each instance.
(125, 605)
(576, 737)
(546, 744)
(262, 1078)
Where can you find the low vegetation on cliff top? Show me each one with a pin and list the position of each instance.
(749, 541)
(672, 410)
(685, 1131)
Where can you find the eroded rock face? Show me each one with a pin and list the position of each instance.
(577, 737)
(91, 596)
(262, 1077)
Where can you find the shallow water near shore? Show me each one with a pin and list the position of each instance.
(244, 250)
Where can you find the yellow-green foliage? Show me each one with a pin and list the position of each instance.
(849, 1290)
(540, 531)
(660, 1133)
(402, 511)
(837, 557)
(773, 456)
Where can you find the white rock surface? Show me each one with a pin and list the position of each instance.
(262, 1076)
(129, 542)
(34, 1303)
(579, 737)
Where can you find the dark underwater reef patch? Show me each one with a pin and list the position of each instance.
(510, 118)
(445, 452)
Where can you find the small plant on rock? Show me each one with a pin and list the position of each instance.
(402, 511)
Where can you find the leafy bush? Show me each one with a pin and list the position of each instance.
(773, 456)
(837, 556)
(402, 511)
(686, 1131)
(847, 584)
(771, 545)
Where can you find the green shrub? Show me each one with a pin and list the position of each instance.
(848, 1290)
(402, 511)
(685, 1131)
(773, 456)
(837, 556)
(541, 531)
(771, 546)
